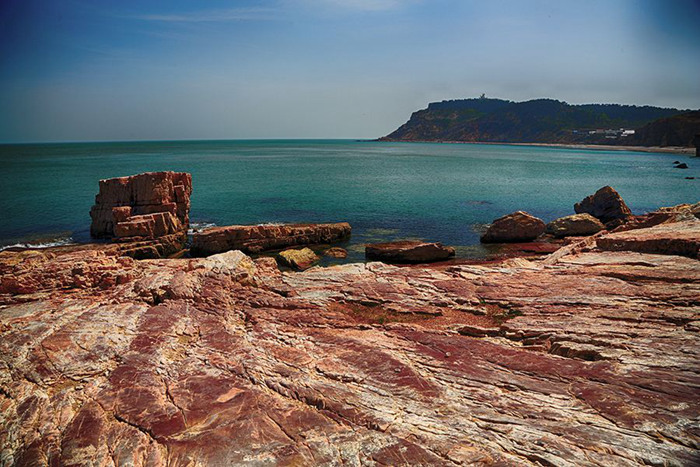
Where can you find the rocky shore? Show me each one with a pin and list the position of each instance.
(586, 356)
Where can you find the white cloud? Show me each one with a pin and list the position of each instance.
(361, 5)
(232, 14)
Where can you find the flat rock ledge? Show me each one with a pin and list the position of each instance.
(587, 358)
(258, 238)
(408, 252)
(680, 238)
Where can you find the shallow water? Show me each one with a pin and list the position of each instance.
(440, 192)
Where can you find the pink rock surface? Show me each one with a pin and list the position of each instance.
(588, 358)
(679, 238)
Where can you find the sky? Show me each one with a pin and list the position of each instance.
(73, 70)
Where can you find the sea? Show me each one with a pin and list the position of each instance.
(386, 191)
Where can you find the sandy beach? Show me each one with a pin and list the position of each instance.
(597, 147)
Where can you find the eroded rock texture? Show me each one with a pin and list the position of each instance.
(589, 358)
(150, 208)
(257, 238)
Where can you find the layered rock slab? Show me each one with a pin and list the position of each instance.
(590, 359)
(679, 238)
(408, 252)
(257, 238)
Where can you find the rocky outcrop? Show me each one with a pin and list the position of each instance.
(408, 252)
(574, 226)
(516, 227)
(150, 207)
(299, 260)
(679, 238)
(667, 215)
(589, 359)
(258, 238)
(606, 204)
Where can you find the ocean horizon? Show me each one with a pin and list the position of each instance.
(387, 191)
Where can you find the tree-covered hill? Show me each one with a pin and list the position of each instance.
(535, 121)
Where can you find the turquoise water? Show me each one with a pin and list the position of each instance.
(440, 192)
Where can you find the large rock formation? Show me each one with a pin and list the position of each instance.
(151, 207)
(605, 204)
(575, 225)
(516, 227)
(257, 238)
(589, 358)
(408, 252)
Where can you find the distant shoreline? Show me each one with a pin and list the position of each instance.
(599, 147)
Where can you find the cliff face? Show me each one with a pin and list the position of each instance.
(535, 121)
(587, 357)
(679, 130)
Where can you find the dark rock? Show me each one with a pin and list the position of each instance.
(257, 238)
(676, 162)
(298, 259)
(575, 225)
(516, 227)
(606, 204)
(408, 252)
(690, 178)
(681, 166)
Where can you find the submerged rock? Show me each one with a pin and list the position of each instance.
(575, 225)
(151, 208)
(516, 227)
(408, 252)
(298, 259)
(605, 204)
(336, 252)
(258, 238)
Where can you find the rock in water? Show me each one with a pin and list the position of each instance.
(681, 166)
(336, 252)
(606, 204)
(408, 252)
(575, 225)
(298, 259)
(257, 238)
(516, 227)
(152, 206)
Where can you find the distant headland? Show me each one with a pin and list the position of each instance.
(549, 121)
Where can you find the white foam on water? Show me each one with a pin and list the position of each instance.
(56, 242)
(199, 226)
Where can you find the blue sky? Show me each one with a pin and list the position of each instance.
(75, 70)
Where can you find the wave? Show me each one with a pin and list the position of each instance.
(51, 243)
(199, 226)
